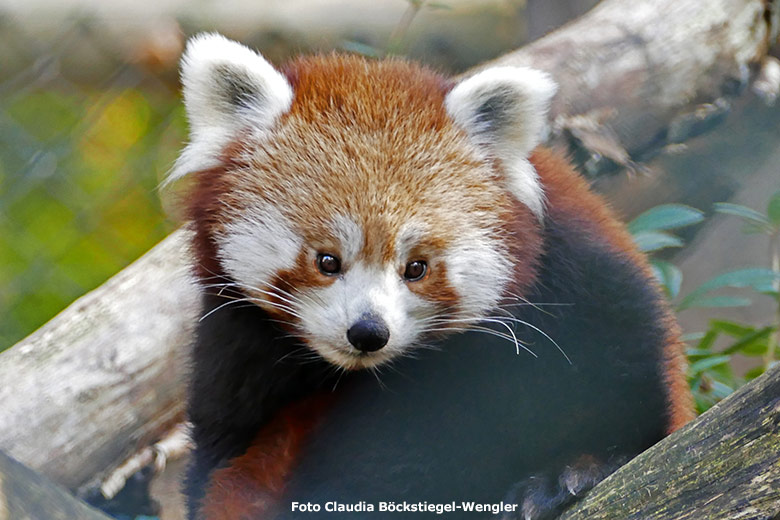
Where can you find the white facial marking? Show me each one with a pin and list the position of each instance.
(410, 235)
(477, 267)
(523, 182)
(255, 247)
(331, 311)
(479, 270)
(350, 236)
(228, 89)
(504, 111)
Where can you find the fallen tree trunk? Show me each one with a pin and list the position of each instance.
(26, 495)
(105, 377)
(725, 465)
(636, 78)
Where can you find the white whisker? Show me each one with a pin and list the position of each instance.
(543, 333)
(215, 309)
(342, 371)
(375, 371)
(486, 330)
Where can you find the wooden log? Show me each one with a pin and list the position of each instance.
(637, 78)
(106, 376)
(725, 465)
(26, 495)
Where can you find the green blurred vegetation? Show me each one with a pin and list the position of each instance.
(711, 352)
(79, 169)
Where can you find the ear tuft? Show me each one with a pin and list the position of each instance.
(503, 106)
(504, 111)
(228, 88)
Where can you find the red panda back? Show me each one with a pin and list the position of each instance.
(570, 199)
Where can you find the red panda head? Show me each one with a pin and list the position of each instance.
(366, 204)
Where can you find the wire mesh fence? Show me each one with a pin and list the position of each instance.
(85, 136)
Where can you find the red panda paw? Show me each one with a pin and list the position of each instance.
(546, 496)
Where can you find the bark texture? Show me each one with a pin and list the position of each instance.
(723, 466)
(637, 78)
(25, 495)
(106, 376)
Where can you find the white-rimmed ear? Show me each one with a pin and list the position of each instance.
(504, 111)
(228, 88)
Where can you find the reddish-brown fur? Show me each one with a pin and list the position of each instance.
(352, 84)
(249, 488)
(205, 212)
(569, 196)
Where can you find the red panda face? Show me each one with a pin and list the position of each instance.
(364, 204)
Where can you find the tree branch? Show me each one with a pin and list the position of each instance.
(106, 376)
(724, 465)
(639, 77)
(25, 494)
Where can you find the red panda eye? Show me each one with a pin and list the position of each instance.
(415, 270)
(328, 264)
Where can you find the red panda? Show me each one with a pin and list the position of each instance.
(405, 299)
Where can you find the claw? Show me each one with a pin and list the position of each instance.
(544, 497)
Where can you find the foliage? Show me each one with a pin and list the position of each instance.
(79, 169)
(652, 232)
(710, 371)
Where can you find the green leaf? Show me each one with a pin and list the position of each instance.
(721, 390)
(690, 337)
(755, 349)
(708, 302)
(648, 241)
(748, 215)
(766, 285)
(749, 277)
(665, 216)
(703, 402)
(707, 364)
(669, 276)
(754, 372)
(698, 352)
(756, 338)
(755, 229)
(733, 329)
(772, 294)
(773, 209)
(708, 340)
(757, 278)
(723, 373)
(361, 48)
(438, 5)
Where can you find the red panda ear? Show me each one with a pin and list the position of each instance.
(504, 111)
(228, 89)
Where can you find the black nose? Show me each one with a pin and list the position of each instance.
(368, 334)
